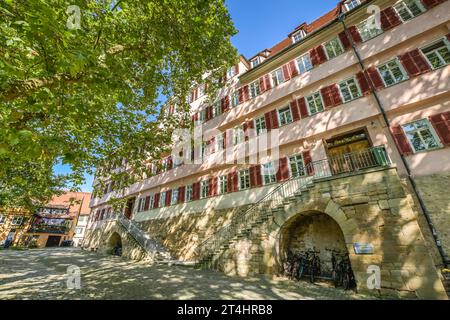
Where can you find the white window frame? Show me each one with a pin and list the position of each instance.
(217, 109)
(302, 160)
(334, 49)
(204, 189)
(152, 202)
(302, 66)
(357, 86)
(258, 125)
(365, 22)
(432, 131)
(309, 106)
(201, 91)
(300, 33)
(272, 174)
(17, 220)
(402, 69)
(219, 142)
(222, 182)
(403, 2)
(231, 72)
(279, 115)
(2, 218)
(254, 87)
(189, 193)
(238, 135)
(234, 97)
(244, 174)
(348, 2)
(447, 44)
(162, 199)
(255, 62)
(277, 77)
(174, 199)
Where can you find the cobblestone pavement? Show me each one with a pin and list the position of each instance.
(42, 274)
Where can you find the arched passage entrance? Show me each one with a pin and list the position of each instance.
(312, 231)
(115, 244)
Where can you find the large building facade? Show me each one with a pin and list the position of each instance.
(350, 118)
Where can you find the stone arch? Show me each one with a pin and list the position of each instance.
(114, 244)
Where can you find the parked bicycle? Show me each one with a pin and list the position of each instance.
(342, 273)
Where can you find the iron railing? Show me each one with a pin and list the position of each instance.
(262, 209)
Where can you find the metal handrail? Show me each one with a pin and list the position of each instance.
(350, 162)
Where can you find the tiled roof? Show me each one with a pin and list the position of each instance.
(65, 200)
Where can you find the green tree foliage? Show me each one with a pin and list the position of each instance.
(90, 96)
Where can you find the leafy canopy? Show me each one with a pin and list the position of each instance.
(90, 96)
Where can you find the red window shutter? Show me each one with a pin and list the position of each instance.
(331, 96)
(283, 170)
(207, 114)
(335, 94)
(248, 126)
(268, 119)
(196, 191)
(441, 124)
(241, 95)
(303, 108)
(210, 187)
(274, 119)
(236, 69)
(168, 198)
(431, 3)
(169, 163)
(363, 83)
(181, 194)
(286, 72)
(267, 82)
(307, 159)
(355, 34)
(448, 37)
(344, 40)
(401, 140)
(255, 176)
(327, 97)
(193, 93)
(225, 139)
(262, 84)
(375, 78)
(156, 201)
(225, 104)
(147, 203)
(321, 53)
(246, 93)
(315, 60)
(389, 19)
(233, 183)
(414, 63)
(295, 111)
(293, 68)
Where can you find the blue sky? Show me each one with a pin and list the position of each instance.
(261, 24)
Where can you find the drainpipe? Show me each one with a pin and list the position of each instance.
(425, 211)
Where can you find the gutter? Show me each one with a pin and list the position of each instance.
(445, 259)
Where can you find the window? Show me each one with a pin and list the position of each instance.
(2, 219)
(238, 135)
(297, 166)
(234, 99)
(304, 63)
(79, 230)
(152, 201)
(285, 116)
(231, 72)
(421, 135)
(140, 205)
(392, 72)
(260, 125)
(82, 219)
(351, 4)
(204, 189)
(217, 109)
(369, 29)
(203, 149)
(277, 77)
(244, 179)
(438, 53)
(268, 173)
(220, 142)
(333, 48)
(349, 90)
(223, 184)
(299, 35)
(17, 220)
(201, 91)
(255, 62)
(409, 9)
(174, 199)
(162, 199)
(315, 103)
(189, 193)
(254, 89)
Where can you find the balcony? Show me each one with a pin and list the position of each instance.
(46, 228)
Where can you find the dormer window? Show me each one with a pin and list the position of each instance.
(351, 4)
(255, 62)
(299, 35)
